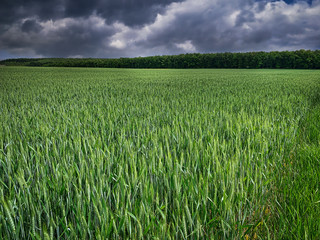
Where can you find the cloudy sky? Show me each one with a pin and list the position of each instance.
(129, 28)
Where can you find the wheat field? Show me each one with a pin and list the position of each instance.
(153, 154)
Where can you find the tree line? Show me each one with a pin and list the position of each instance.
(301, 59)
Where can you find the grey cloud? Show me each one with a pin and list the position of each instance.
(256, 27)
(20, 24)
(13, 11)
(258, 36)
(245, 16)
(31, 25)
(130, 12)
(130, 28)
(69, 37)
(71, 41)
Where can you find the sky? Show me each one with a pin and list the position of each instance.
(132, 28)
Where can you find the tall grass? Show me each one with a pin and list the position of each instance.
(118, 153)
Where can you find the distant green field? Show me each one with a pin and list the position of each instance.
(159, 154)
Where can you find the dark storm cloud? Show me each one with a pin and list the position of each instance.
(31, 25)
(20, 20)
(130, 12)
(72, 40)
(12, 11)
(121, 28)
(287, 1)
(67, 37)
(259, 36)
(245, 16)
(229, 26)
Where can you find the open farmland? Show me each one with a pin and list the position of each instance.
(129, 153)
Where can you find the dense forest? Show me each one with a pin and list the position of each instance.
(301, 59)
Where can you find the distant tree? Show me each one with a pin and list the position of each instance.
(302, 59)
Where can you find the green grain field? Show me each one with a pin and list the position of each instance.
(159, 154)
